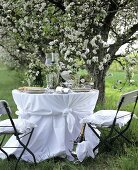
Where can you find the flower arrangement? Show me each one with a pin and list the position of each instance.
(37, 71)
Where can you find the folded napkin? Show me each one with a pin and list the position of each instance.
(60, 89)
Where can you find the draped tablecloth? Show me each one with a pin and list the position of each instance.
(57, 120)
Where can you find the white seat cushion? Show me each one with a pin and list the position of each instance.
(106, 117)
(22, 125)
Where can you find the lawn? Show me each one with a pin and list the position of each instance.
(123, 156)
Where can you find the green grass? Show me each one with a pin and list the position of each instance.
(8, 81)
(122, 157)
(112, 87)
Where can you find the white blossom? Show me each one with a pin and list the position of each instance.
(70, 59)
(42, 6)
(108, 57)
(27, 24)
(83, 55)
(61, 45)
(100, 24)
(26, 18)
(94, 51)
(78, 53)
(98, 36)
(105, 60)
(69, 6)
(101, 67)
(93, 43)
(37, 73)
(53, 42)
(95, 59)
(85, 43)
(89, 62)
(87, 51)
(17, 50)
(15, 30)
(67, 53)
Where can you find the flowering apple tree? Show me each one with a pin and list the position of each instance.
(91, 30)
(94, 30)
(27, 27)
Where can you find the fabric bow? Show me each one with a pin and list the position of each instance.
(70, 118)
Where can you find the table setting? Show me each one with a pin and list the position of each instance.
(56, 111)
(58, 89)
(56, 115)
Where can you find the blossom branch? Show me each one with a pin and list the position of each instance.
(127, 37)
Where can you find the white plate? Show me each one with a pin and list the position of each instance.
(34, 91)
(81, 90)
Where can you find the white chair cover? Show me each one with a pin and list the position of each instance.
(22, 125)
(106, 117)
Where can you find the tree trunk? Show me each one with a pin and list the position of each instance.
(99, 83)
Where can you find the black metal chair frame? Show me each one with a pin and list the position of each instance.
(5, 109)
(110, 138)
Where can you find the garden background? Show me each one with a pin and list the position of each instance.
(87, 35)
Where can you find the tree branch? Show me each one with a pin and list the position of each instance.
(113, 9)
(12, 55)
(123, 39)
(58, 3)
(126, 37)
(122, 65)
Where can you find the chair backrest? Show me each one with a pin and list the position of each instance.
(128, 98)
(125, 99)
(4, 108)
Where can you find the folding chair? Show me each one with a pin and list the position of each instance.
(112, 119)
(11, 126)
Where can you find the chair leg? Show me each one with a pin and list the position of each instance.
(100, 138)
(102, 141)
(105, 142)
(5, 153)
(126, 139)
(3, 149)
(96, 148)
(120, 134)
(25, 148)
(21, 156)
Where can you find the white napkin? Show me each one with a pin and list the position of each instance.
(85, 148)
(60, 89)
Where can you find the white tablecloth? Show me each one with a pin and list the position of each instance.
(57, 118)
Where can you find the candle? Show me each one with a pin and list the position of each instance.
(52, 57)
(48, 58)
